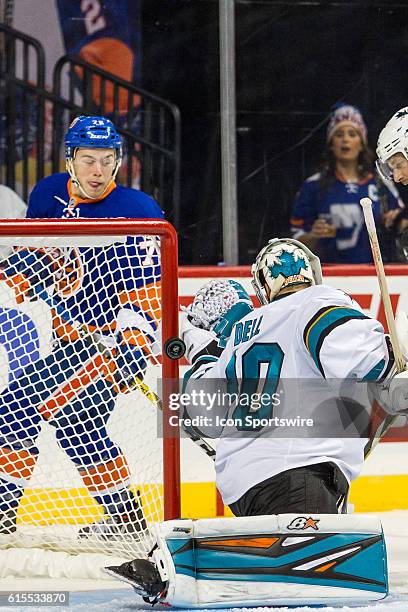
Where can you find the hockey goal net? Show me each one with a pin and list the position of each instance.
(84, 309)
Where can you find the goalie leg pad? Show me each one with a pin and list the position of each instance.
(284, 559)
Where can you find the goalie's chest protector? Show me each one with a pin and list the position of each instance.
(288, 344)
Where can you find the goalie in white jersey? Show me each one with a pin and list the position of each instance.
(303, 331)
(307, 333)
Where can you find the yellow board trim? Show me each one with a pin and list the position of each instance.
(380, 493)
(76, 506)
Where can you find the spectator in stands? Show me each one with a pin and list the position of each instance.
(327, 216)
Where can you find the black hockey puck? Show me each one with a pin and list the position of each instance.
(174, 348)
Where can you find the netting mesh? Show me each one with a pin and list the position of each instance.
(81, 464)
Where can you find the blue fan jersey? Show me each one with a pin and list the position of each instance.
(340, 205)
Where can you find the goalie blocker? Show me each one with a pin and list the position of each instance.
(286, 559)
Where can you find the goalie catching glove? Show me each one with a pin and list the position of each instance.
(209, 320)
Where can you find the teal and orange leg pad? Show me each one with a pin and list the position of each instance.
(284, 559)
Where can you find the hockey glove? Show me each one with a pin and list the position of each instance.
(131, 363)
(199, 342)
(209, 320)
(392, 394)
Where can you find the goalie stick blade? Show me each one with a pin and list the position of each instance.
(142, 575)
(115, 571)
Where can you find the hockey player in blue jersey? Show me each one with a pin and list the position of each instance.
(93, 152)
(95, 288)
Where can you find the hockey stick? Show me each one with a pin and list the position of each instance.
(387, 422)
(366, 204)
(90, 338)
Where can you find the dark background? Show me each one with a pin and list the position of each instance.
(294, 60)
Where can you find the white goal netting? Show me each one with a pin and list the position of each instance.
(81, 457)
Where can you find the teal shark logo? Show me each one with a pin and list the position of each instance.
(287, 265)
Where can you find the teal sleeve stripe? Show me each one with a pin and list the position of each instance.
(231, 376)
(320, 326)
(376, 371)
(199, 362)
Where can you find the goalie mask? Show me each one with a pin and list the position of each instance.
(284, 263)
(392, 139)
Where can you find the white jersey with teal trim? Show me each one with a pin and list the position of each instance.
(317, 333)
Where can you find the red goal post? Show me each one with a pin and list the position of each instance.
(37, 228)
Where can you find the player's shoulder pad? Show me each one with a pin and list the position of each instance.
(45, 194)
(325, 293)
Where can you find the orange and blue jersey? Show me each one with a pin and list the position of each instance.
(51, 199)
(111, 277)
(108, 35)
(74, 387)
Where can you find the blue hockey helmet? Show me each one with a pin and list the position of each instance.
(284, 263)
(92, 132)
